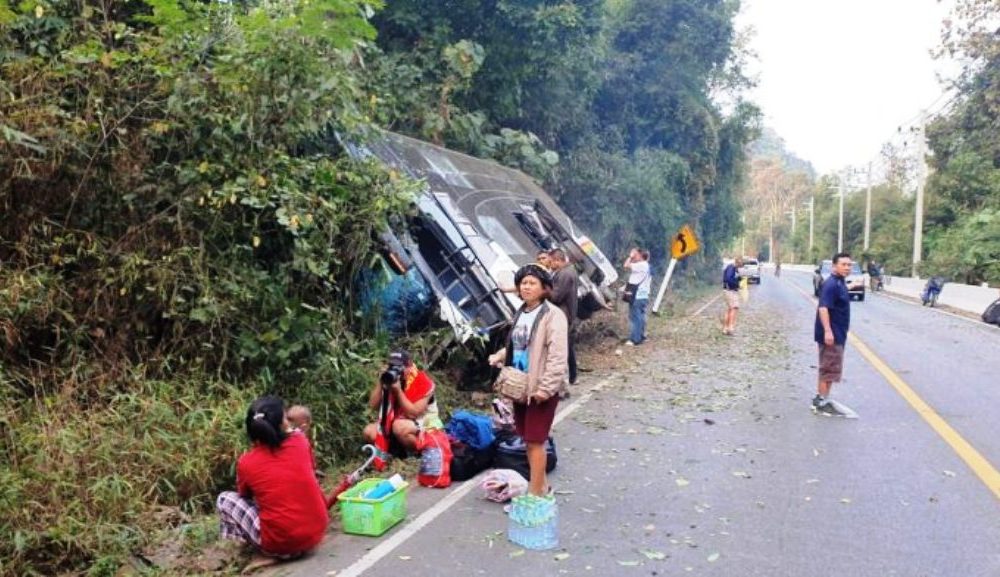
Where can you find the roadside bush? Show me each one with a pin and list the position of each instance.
(168, 252)
(84, 478)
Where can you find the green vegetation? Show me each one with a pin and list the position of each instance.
(964, 215)
(169, 250)
(181, 232)
(621, 92)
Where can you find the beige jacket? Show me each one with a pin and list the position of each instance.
(548, 371)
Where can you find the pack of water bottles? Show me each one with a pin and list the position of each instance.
(533, 522)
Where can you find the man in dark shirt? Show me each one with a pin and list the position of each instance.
(564, 296)
(731, 290)
(833, 319)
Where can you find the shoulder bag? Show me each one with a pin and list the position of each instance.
(512, 384)
(628, 295)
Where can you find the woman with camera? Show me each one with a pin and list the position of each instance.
(404, 396)
(278, 506)
(536, 345)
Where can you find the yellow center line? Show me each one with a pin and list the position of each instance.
(973, 458)
(983, 469)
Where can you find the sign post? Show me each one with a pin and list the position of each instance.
(683, 244)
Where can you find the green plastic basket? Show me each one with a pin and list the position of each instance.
(371, 517)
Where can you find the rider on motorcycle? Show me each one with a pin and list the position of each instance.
(874, 275)
(932, 289)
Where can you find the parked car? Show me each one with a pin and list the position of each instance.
(750, 270)
(855, 279)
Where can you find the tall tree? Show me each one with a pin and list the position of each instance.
(966, 151)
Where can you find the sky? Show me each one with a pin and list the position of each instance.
(836, 78)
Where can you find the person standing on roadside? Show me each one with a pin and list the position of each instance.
(544, 259)
(731, 292)
(833, 320)
(637, 265)
(564, 296)
(541, 259)
(536, 344)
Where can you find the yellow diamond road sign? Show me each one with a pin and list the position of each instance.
(684, 243)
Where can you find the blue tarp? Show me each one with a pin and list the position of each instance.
(403, 303)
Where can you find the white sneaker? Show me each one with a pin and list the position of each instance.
(629, 344)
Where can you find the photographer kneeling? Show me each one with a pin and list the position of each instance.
(404, 396)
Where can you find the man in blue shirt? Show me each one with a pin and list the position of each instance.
(833, 319)
(731, 291)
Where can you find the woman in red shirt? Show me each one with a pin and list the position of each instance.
(278, 506)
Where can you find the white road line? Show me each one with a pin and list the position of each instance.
(706, 305)
(385, 547)
(943, 312)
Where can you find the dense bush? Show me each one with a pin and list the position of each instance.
(180, 232)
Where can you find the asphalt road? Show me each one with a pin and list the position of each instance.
(699, 455)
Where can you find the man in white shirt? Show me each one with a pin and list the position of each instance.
(639, 281)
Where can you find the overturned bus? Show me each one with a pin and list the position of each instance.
(476, 222)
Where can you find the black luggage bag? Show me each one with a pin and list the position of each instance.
(467, 462)
(512, 454)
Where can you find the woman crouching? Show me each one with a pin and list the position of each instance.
(536, 345)
(278, 506)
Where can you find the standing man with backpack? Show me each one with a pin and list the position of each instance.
(833, 319)
(731, 291)
(564, 296)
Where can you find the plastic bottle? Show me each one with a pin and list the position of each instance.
(534, 522)
(385, 488)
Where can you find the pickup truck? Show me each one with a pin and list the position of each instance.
(750, 270)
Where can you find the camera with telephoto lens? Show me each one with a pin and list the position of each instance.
(391, 375)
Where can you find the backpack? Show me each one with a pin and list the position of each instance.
(992, 313)
(512, 454)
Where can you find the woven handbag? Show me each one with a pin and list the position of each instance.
(512, 384)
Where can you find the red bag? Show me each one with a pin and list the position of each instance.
(435, 458)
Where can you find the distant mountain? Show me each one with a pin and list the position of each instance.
(771, 145)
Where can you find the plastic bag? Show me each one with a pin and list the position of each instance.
(435, 458)
(503, 415)
(502, 485)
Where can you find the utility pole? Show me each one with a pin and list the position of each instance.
(840, 225)
(918, 220)
(743, 237)
(770, 237)
(792, 212)
(812, 207)
(868, 207)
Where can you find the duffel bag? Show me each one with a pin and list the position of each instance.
(467, 461)
(512, 454)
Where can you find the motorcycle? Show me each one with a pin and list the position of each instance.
(932, 290)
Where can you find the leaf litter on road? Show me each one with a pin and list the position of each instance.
(653, 555)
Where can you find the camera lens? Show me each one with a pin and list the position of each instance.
(391, 375)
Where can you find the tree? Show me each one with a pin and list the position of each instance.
(965, 183)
